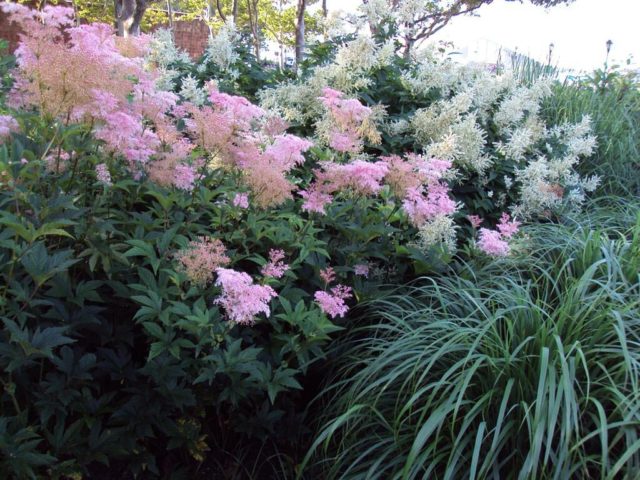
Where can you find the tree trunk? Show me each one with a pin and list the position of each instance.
(128, 15)
(408, 44)
(235, 12)
(325, 12)
(222, 15)
(300, 27)
(252, 7)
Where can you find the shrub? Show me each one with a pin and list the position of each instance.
(523, 368)
(163, 288)
(175, 259)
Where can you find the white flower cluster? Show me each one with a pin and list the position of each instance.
(522, 101)
(163, 51)
(221, 48)
(440, 230)
(350, 72)
(454, 128)
(163, 54)
(545, 183)
(191, 92)
(448, 130)
(333, 25)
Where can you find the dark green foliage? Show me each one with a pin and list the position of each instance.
(113, 361)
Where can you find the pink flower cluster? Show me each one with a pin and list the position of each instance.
(201, 258)
(494, 242)
(276, 268)
(8, 124)
(328, 275)
(102, 174)
(422, 206)
(416, 180)
(361, 269)
(231, 129)
(333, 302)
(241, 200)
(241, 299)
(347, 117)
(412, 172)
(85, 74)
(359, 176)
(475, 220)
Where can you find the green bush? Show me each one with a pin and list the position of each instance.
(526, 368)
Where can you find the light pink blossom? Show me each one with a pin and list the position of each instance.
(491, 243)
(241, 299)
(361, 269)
(8, 124)
(102, 174)
(475, 220)
(350, 121)
(328, 275)
(201, 258)
(421, 207)
(333, 303)
(276, 268)
(315, 201)
(241, 200)
(507, 227)
(185, 177)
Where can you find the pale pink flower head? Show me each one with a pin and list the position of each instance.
(276, 268)
(344, 142)
(57, 163)
(286, 151)
(333, 303)
(184, 177)
(241, 299)
(315, 201)
(328, 275)
(241, 110)
(275, 126)
(434, 168)
(507, 227)
(349, 120)
(361, 269)
(124, 133)
(475, 220)
(421, 208)
(201, 258)
(241, 200)
(8, 124)
(491, 243)
(361, 176)
(102, 174)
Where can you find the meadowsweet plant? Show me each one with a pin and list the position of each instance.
(176, 257)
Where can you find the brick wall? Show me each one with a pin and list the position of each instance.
(191, 36)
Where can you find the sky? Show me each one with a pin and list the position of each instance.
(578, 31)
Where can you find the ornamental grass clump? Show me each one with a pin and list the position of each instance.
(525, 368)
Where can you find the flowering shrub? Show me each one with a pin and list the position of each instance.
(488, 127)
(162, 270)
(174, 257)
